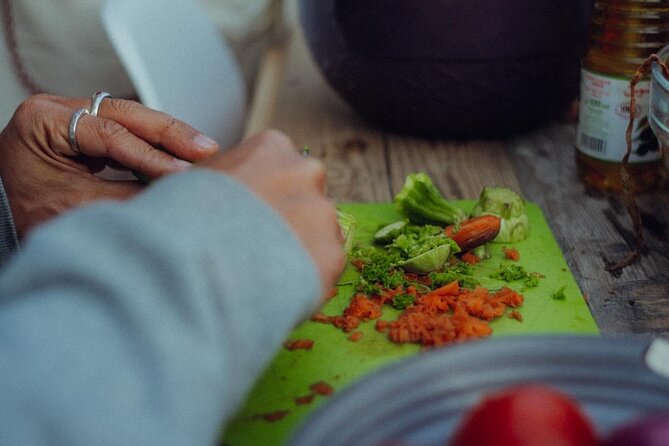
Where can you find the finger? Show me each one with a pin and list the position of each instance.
(159, 129)
(104, 138)
(317, 174)
(71, 103)
(270, 137)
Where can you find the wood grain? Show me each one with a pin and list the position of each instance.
(460, 169)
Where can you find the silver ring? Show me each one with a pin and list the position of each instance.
(73, 127)
(96, 100)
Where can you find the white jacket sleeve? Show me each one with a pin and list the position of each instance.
(146, 322)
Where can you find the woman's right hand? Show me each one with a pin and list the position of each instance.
(294, 185)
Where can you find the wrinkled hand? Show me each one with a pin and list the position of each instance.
(43, 176)
(271, 166)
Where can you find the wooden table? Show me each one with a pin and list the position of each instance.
(365, 164)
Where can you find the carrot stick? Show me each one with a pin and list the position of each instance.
(474, 232)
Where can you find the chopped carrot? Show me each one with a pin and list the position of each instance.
(346, 323)
(441, 316)
(322, 388)
(274, 416)
(511, 254)
(363, 308)
(298, 344)
(515, 314)
(470, 258)
(322, 318)
(381, 325)
(355, 336)
(306, 399)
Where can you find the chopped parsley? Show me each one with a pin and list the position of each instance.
(463, 272)
(516, 273)
(378, 271)
(401, 301)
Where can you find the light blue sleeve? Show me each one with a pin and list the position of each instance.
(145, 323)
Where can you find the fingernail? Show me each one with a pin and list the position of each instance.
(204, 142)
(182, 164)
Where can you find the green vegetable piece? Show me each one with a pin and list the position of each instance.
(482, 252)
(510, 273)
(401, 301)
(513, 273)
(559, 293)
(428, 261)
(510, 207)
(389, 232)
(461, 271)
(416, 240)
(347, 223)
(422, 203)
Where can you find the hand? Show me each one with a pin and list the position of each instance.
(271, 166)
(43, 176)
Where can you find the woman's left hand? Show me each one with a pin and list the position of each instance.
(45, 175)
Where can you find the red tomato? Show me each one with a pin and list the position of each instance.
(529, 415)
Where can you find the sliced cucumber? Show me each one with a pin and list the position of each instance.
(428, 261)
(388, 233)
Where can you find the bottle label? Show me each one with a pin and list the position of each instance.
(603, 119)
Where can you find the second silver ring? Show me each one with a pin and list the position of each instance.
(96, 100)
(72, 131)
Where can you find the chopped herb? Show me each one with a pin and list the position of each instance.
(532, 280)
(514, 273)
(460, 271)
(559, 293)
(378, 270)
(401, 301)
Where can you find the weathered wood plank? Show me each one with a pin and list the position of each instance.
(459, 169)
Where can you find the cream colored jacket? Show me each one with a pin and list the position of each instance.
(65, 49)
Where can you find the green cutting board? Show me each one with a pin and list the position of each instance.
(338, 361)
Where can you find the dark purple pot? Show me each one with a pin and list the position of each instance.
(449, 68)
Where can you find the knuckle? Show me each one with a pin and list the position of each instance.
(112, 131)
(30, 108)
(113, 136)
(170, 126)
(121, 106)
(170, 123)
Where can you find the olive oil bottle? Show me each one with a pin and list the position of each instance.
(622, 34)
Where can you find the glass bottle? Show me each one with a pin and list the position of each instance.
(622, 34)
